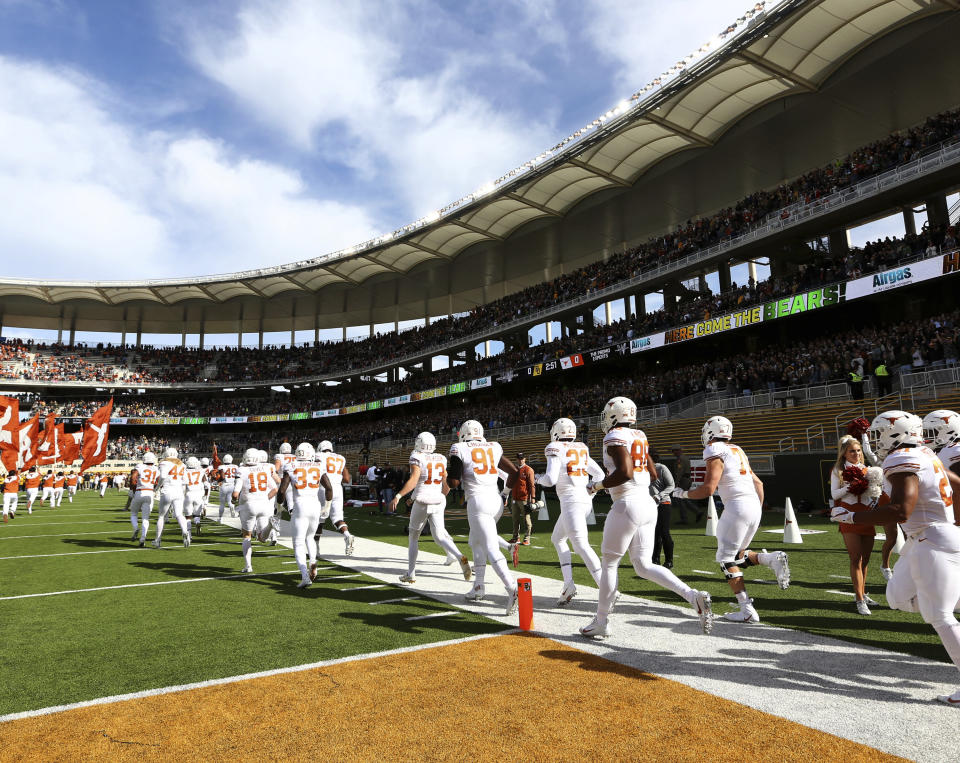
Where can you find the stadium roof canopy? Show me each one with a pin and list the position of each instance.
(775, 51)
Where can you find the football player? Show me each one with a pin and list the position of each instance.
(193, 498)
(632, 518)
(172, 482)
(143, 480)
(335, 467)
(32, 484)
(474, 462)
(284, 457)
(228, 476)
(918, 493)
(48, 479)
(569, 470)
(104, 481)
(11, 494)
(941, 430)
(728, 471)
(255, 487)
(300, 485)
(428, 488)
(208, 483)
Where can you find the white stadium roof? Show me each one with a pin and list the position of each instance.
(775, 51)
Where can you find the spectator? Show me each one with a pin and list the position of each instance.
(523, 496)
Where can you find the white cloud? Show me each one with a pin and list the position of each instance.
(334, 79)
(83, 195)
(645, 37)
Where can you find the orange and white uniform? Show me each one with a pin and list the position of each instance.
(145, 482)
(47, 489)
(58, 482)
(32, 484)
(334, 465)
(193, 499)
(171, 483)
(257, 485)
(228, 476)
(741, 504)
(429, 503)
(11, 493)
(72, 482)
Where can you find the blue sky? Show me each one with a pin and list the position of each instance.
(155, 139)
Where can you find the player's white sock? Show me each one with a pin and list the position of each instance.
(609, 566)
(743, 598)
(133, 520)
(184, 525)
(663, 577)
(949, 634)
(502, 543)
(248, 551)
(766, 558)
(499, 565)
(161, 521)
(144, 525)
(413, 551)
(566, 563)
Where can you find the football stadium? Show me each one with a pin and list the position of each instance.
(648, 426)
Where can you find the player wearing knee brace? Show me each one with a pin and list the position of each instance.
(728, 471)
(475, 463)
(337, 473)
(143, 482)
(193, 498)
(301, 483)
(428, 488)
(171, 485)
(255, 486)
(228, 477)
(570, 469)
(632, 520)
(918, 492)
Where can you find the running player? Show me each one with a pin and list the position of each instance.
(11, 494)
(104, 481)
(228, 476)
(569, 470)
(918, 493)
(208, 483)
(48, 479)
(72, 480)
(474, 462)
(143, 480)
(301, 484)
(172, 482)
(58, 482)
(193, 501)
(728, 471)
(632, 519)
(254, 487)
(32, 484)
(429, 491)
(335, 467)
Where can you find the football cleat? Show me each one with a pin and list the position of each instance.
(275, 523)
(247, 569)
(142, 543)
(465, 568)
(515, 554)
(5, 519)
(449, 560)
(616, 600)
(477, 593)
(156, 543)
(407, 579)
(512, 601)
(595, 629)
(781, 569)
(701, 603)
(186, 540)
(746, 614)
(136, 534)
(348, 545)
(304, 584)
(568, 592)
(887, 573)
(950, 699)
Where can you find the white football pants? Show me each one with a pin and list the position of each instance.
(420, 514)
(572, 527)
(482, 511)
(303, 526)
(142, 504)
(171, 502)
(736, 528)
(10, 503)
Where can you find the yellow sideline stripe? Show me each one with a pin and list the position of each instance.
(510, 697)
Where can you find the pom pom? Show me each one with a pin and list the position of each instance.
(858, 427)
(856, 480)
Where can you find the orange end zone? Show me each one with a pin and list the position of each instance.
(513, 697)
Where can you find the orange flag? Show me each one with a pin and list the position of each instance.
(216, 459)
(70, 448)
(28, 439)
(95, 435)
(48, 451)
(9, 431)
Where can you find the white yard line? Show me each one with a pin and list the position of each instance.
(244, 677)
(841, 593)
(394, 601)
(107, 551)
(147, 585)
(365, 587)
(445, 613)
(61, 535)
(704, 572)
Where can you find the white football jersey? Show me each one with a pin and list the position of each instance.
(736, 481)
(304, 491)
(280, 460)
(147, 475)
(173, 475)
(950, 456)
(935, 499)
(433, 471)
(255, 482)
(480, 459)
(635, 441)
(195, 478)
(575, 470)
(228, 473)
(334, 464)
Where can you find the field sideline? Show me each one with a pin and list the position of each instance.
(177, 616)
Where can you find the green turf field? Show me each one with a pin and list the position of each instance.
(76, 646)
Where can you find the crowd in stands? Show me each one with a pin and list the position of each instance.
(904, 346)
(106, 363)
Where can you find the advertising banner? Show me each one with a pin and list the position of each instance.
(482, 382)
(228, 420)
(453, 389)
(644, 343)
(905, 275)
